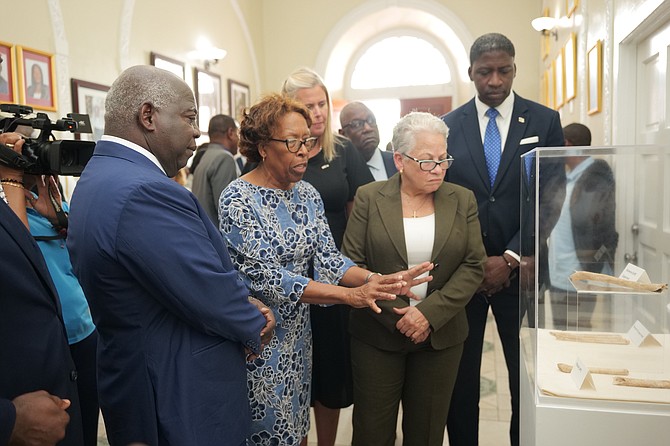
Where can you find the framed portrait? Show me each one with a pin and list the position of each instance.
(551, 90)
(89, 98)
(571, 7)
(207, 88)
(546, 38)
(559, 80)
(238, 97)
(7, 69)
(169, 64)
(570, 55)
(37, 78)
(594, 69)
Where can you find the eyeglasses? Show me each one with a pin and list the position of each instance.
(428, 165)
(293, 144)
(357, 124)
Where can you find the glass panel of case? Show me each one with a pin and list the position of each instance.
(587, 210)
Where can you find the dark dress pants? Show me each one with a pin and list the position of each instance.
(463, 421)
(419, 377)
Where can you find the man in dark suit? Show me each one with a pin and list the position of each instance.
(174, 320)
(508, 126)
(38, 389)
(360, 126)
(214, 165)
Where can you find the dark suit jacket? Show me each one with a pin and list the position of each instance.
(172, 315)
(532, 125)
(34, 352)
(500, 207)
(375, 240)
(593, 215)
(389, 165)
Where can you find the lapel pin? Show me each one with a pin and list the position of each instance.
(521, 119)
(325, 166)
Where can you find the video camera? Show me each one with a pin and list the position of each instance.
(45, 155)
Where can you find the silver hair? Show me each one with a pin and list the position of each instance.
(405, 131)
(135, 86)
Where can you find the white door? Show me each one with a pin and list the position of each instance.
(645, 229)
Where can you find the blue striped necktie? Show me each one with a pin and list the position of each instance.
(492, 145)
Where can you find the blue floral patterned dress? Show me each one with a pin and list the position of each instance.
(277, 239)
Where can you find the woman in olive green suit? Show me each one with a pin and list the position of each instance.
(411, 351)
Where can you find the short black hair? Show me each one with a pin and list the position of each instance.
(490, 42)
(221, 124)
(578, 134)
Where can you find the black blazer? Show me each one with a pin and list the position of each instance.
(592, 212)
(34, 352)
(389, 165)
(532, 125)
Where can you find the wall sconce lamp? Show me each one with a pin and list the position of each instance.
(208, 53)
(546, 25)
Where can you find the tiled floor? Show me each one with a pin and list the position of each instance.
(494, 402)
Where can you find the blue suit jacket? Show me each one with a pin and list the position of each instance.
(499, 207)
(172, 315)
(34, 353)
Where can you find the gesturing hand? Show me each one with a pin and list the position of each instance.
(410, 278)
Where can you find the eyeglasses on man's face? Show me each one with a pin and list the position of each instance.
(357, 124)
(293, 144)
(428, 165)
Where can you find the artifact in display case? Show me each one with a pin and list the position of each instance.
(595, 330)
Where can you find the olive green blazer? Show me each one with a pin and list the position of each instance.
(375, 240)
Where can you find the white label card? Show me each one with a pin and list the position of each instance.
(634, 273)
(581, 376)
(639, 335)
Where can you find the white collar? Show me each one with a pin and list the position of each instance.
(137, 148)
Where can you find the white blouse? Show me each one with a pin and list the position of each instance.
(419, 240)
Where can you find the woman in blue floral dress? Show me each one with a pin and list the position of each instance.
(278, 238)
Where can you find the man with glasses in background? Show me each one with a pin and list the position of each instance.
(360, 126)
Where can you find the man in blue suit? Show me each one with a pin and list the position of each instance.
(360, 126)
(175, 322)
(505, 126)
(39, 403)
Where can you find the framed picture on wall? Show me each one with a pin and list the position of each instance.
(37, 78)
(89, 98)
(546, 38)
(238, 97)
(570, 54)
(7, 84)
(594, 69)
(559, 80)
(571, 6)
(551, 91)
(169, 64)
(207, 88)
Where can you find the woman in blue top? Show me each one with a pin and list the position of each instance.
(278, 238)
(79, 326)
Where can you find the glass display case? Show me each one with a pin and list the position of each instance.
(595, 309)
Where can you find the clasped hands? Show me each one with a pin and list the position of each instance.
(387, 287)
(496, 276)
(267, 332)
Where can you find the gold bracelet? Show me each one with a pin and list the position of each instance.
(12, 183)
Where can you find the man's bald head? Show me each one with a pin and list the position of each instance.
(136, 86)
(360, 126)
